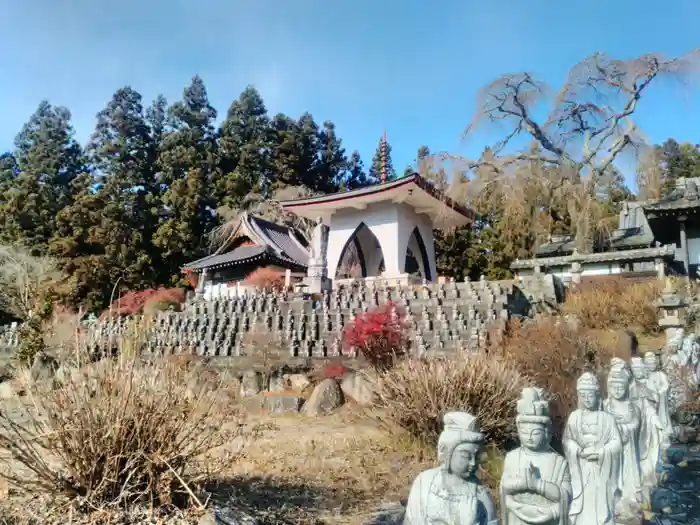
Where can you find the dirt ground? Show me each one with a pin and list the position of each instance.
(290, 468)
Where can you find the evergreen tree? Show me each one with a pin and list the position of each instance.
(356, 176)
(187, 157)
(309, 149)
(332, 164)
(382, 163)
(48, 159)
(244, 149)
(123, 152)
(285, 152)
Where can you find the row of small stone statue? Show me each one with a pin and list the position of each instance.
(613, 448)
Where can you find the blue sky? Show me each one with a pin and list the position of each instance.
(412, 68)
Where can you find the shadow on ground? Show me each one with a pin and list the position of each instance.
(277, 502)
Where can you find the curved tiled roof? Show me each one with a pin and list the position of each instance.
(273, 242)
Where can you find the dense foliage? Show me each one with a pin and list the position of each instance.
(137, 202)
(126, 211)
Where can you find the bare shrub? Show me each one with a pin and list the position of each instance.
(612, 303)
(416, 393)
(553, 356)
(116, 432)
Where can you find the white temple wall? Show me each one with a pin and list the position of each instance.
(392, 224)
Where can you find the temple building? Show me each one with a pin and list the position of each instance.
(381, 232)
(253, 243)
(655, 237)
(384, 231)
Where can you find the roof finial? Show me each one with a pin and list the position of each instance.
(384, 157)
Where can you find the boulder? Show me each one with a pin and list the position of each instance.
(280, 404)
(223, 515)
(43, 368)
(326, 397)
(297, 382)
(251, 383)
(356, 387)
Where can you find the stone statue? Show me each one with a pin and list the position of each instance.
(650, 430)
(657, 382)
(536, 483)
(451, 494)
(629, 420)
(319, 243)
(593, 448)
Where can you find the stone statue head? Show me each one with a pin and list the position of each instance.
(533, 421)
(639, 369)
(459, 444)
(651, 362)
(619, 381)
(588, 390)
(675, 340)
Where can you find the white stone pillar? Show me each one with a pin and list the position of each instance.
(684, 246)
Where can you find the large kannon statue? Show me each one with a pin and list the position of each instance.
(594, 450)
(451, 494)
(536, 482)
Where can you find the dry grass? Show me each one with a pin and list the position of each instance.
(416, 394)
(115, 433)
(615, 303)
(553, 356)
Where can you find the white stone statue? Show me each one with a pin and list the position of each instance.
(658, 383)
(319, 243)
(536, 483)
(593, 448)
(629, 420)
(651, 430)
(451, 494)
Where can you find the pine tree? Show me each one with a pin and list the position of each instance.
(285, 152)
(382, 163)
(187, 158)
(309, 148)
(244, 149)
(123, 152)
(356, 176)
(333, 163)
(47, 160)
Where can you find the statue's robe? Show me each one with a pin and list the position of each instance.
(659, 384)
(650, 433)
(594, 484)
(629, 420)
(440, 498)
(531, 508)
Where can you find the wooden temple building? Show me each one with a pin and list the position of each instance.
(656, 237)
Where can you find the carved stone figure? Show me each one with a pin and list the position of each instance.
(629, 419)
(651, 430)
(657, 382)
(319, 243)
(451, 494)
(536, 482)
(593, 448)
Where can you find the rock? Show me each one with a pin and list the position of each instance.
(277, 383)
(7, 391)
(282, 404)
(297, 382)
(251, 383)
(388, 514)
(43, 368)
(220, 515)
(326, 397)
(356, 387)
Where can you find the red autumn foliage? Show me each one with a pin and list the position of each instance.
(380, 335)
(333, 371)
(266, 278)
(191, 278)
(132, 303)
